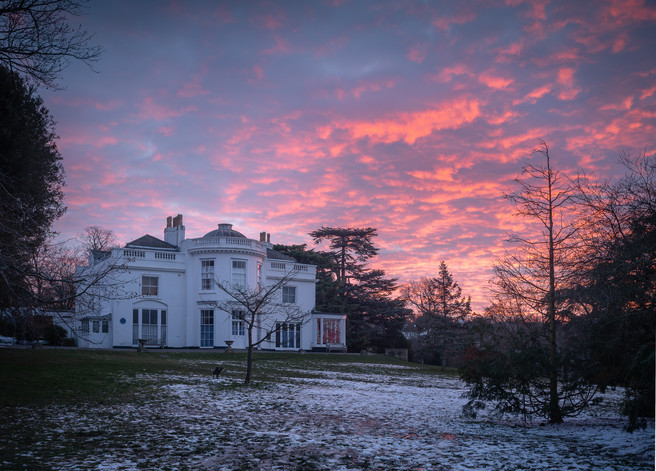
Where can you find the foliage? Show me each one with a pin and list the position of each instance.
(37, 41)
(350, 248)
(326, 288)
(31, 180)
(376, 318)
(440, 311)
(346, 285)
(510, 364)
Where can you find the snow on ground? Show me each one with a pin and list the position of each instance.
(368, 417)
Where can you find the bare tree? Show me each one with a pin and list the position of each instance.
(262, 310)
(96, 238)
(540, 267)
(37, 41)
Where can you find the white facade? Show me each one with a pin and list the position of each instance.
(165, 293)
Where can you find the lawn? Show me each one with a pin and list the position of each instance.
(122, 410)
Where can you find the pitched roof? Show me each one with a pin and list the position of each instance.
(150, 242)
(274, 255)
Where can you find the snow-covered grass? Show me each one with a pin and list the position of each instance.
(327, 414)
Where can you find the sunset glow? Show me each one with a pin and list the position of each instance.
(410, 117)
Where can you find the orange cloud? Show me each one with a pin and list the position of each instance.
(411, 126)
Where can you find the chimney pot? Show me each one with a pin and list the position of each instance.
(169, 221)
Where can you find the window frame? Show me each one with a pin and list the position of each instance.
(235, 272)
(238, 323)
(206, 337)
(206, 274)
(289, 294)
(288, 335)
(150, 288)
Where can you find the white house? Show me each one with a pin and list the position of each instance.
(165, 293)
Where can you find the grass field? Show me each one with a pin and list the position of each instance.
(122, 410)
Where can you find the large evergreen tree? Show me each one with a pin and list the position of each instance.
(440, 311)
(327, 292)
(350, 248)
(346, 285)
(31, 181)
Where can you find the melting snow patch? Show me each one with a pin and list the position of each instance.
(340, 421)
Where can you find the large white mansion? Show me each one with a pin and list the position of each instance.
(165, 293)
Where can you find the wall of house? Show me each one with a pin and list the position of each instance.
(181, 295)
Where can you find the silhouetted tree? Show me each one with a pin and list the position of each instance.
(351, 248)
(96, 239)
(37, 41)
(375, 316)
(31, 181)
(618, 287)
(440, 313)
(534, 280)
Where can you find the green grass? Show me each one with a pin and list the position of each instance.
(62, 376)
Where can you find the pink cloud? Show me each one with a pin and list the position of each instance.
(491, 80)
(566, 79)
(192, 89)
(270, 20)
(223, 14)
(280, 46)
(372, 86)
(155, 110)
(444, 23)
(447, 73)
(417, 53)
(647, 93)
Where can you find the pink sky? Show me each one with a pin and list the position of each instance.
(411, 117)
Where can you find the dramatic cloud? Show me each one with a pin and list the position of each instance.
(411, 117)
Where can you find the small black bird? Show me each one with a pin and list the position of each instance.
(217, 371)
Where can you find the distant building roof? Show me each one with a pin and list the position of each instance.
(151, 242)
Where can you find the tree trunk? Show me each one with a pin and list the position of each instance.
(249, 357)
(555, 415)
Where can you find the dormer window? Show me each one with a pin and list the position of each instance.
(149, 285)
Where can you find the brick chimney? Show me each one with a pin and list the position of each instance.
(174, 233)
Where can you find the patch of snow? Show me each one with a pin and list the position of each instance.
(342, 420)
